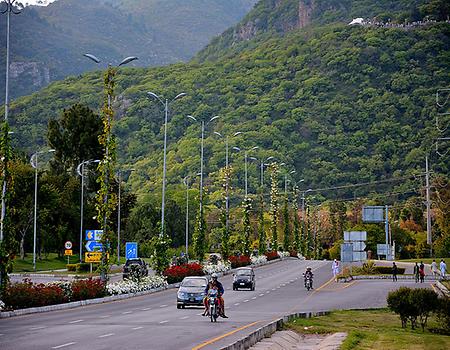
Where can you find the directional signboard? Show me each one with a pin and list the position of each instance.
(90, 257)
(382, 249)
(68, 252)
(374, 213)
(94, 246)
(131, 250)
(94, 235)
(347, 252)
(359, 246)
(355, 236)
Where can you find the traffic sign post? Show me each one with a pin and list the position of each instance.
(91, 257)
(94, 246)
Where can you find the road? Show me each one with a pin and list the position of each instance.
(153, 322)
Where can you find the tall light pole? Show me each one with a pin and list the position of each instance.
(34, 164)
(80, 171)
(286, 182)
(165, 103)
(9, 9)
(303, 213)
(119, 175)
(245, 165)
(227, 180)
(186, 183)
(262, 165)
(203, 124)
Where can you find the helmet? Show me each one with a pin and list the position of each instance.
(214, 276)
(308, 269)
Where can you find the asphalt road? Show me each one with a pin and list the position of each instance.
(153, 322)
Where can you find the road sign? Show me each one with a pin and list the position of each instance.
(92, 257)
(347, 252)
(355, 236)
(373, 213)
(94, 246)
(382, 249)
(68, 252)
(359, 246)
(359, 256)
(68, 245)
(94, 235)
(131, 250)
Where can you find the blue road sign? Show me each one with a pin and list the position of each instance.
(94, 246)
(94, 235)
(131, 250)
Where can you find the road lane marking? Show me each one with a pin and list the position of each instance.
(106, 335)
(136, 328)
(1, 334)
(274, 289)
(267, 291)
(261, 295)
(76, 321)
(105, 316)
(162, 322)
(237, 304)
(200, 314)
(63, 345)
(184, 318)
(208, 342)
(126, 312)
(246, 301)
(36, 328)
(163, 305)
(253, 298)
(146, 309)
(432, 286)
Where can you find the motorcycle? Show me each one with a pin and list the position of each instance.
(308, 282)
(213, 304)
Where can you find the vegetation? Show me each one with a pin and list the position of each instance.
(371, 329)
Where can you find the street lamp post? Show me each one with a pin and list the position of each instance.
(165, 103)
(34, 164)
(263, 164)
(303, 213)
(119, 173)
(203, 124)
(186, 183)
(80, 171)
(245, 165)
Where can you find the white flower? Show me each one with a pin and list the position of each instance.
(300, 256)
(2, 305)
(221, 266)
(283, 254)
(260, 259)
(130, 286)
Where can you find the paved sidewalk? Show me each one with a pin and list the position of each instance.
(291, 340)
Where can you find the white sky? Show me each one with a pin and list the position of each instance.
(35, 2)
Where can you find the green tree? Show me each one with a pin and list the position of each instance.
(262, 240)
(247, 228)
(273, 168)
(199, 236)
(296, 243)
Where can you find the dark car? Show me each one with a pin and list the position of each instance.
(191, 291)
(135, 267)
(244, 277)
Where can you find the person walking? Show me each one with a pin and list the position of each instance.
(434, 269)
(394, 272)
(443, 268)
(422, 272)
(416, 272)
(335, 268)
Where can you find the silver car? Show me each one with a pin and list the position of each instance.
(191, 291)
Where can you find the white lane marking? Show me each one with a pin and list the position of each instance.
(246, 301)
(283, 284)
(268, 291)
(146, 309)
(105, 316)
(278, 287)
(36, 328)
(261, 295)
(76, 321)
(163, 305)
(162, 322)
(184, 317)
(273, 289)
(292, 281)
(136, 328)
(1, 334)
(63, 345)
(126, 312)
(253, 298)
(106, 335)
(237, 304)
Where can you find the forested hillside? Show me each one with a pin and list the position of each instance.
(47, 42)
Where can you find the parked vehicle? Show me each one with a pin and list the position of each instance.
(135, 268)
(191, 291)
(244, 277)
(213, 304)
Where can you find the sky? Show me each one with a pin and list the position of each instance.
(35, 2)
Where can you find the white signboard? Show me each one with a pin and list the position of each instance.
(382, 249)
(359, 246)
(355, 236)
(373, 214)
(347, 252)
(359, 256)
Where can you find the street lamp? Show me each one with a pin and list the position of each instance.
(119, 173)
(9, 9)
(34, 164)
(203, 124)
(165, 103)
(186, 183)
(80, 171)
(245, 162)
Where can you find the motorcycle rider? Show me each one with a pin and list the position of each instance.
(308, 274)
(216, 284)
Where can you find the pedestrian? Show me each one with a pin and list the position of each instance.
(422, 272)
(416, 272)
(335, 268)
(434, 269)
(394, 272)
(443, 268)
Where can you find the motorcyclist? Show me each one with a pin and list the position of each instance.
(308, 274)
(216, 284)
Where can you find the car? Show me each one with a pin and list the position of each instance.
(244, 277)
(137, 267)
(191, 291)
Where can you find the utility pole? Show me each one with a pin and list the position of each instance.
(428, 203)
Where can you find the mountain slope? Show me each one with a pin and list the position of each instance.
(339, 104)
(47, 42)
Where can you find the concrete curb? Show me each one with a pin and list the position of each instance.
(382, 277)
(268, 329)
(74, 304)
(442, 288)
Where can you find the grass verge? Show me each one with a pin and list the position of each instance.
(372, 329)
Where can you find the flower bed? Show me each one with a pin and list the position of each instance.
(260, 259)
(221, 266)
(239, 261)
(176, 273)
(88, 289)
(283, 254)
(272, 255)
(130, 286)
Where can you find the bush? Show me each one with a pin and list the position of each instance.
(443, 314)
(88, 289)
(84, 267)
(239, 261)
(272, 255)
(398, 301)
(386, 270)
(176, 273)
(71, 267)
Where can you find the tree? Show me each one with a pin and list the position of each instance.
(287, 229)
(247, 207)
(296, 242)
(262, 248)
(273, 168)
(199, 236)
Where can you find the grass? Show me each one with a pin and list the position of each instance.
(372, 329)
(427, 261)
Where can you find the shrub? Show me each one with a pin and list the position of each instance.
(71, 267)
(176, 273)
(130, 286)
(386, 270)
(84, 267)
(398, 301)
(272, 255)
(88, 289)
(443, 314)
(425, 302)
(239, 261)
(293, 254)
